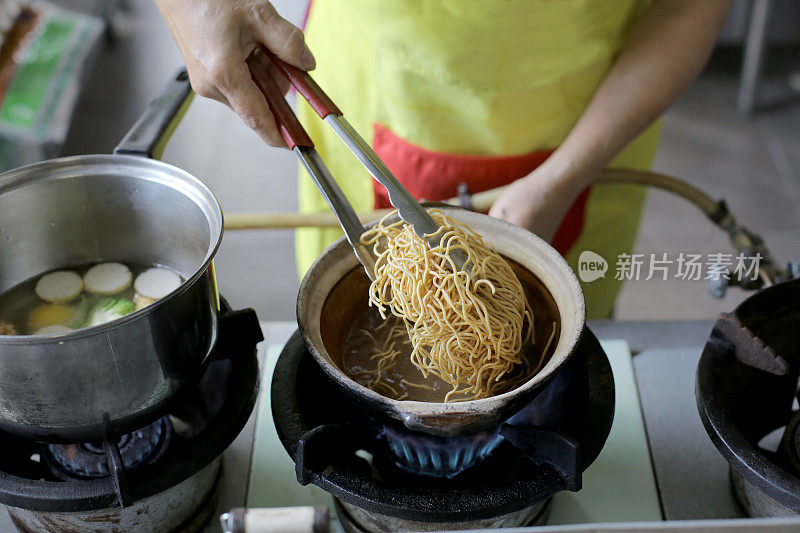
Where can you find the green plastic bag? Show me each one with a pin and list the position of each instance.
(36, 110)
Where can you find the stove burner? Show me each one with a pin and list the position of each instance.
(428, 455)
(89, 461)
(746, 383)
(159, 475)
(379, 475)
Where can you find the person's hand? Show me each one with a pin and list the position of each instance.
(216, 37)
(538, 202)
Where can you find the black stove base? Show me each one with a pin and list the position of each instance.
(340, 449)
(746, 384)
(754, 503)
(58, 489)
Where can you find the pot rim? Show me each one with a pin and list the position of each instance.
(407, 409)
(167, 175)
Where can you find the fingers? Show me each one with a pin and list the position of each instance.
(498, 210)
(283, 38)
(246, 99)
(280, 79)
(201, 84)
(228, 80)
(215, 43)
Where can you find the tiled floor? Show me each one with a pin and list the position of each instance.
(753, 164)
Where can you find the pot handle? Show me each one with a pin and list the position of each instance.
(149, 136)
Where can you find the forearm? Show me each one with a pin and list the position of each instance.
(665, 51)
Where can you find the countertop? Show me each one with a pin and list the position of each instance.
(692, 479)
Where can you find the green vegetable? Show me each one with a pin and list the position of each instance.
(80, 315)
(108, 309)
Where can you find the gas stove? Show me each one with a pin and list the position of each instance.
(273, 481)
(161, 477)
(657, 470)
(386, 478)
(747, 390)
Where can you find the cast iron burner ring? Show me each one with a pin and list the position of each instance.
(88, 460)
(745, 385)
(388, 472)
(790, 445)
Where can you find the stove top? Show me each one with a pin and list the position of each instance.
(658, 463)
(602, 498)
(620, 491)
(390, 472)
(154, 477)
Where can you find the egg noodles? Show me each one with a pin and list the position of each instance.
(468, 327)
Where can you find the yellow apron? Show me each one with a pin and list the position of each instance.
(474, 77)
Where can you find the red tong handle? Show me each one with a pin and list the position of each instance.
(292, 131)
(306, 86)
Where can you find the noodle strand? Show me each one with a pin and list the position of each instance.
(467, 328)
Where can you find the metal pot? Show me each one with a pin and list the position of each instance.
(331, 292)
(109, 379)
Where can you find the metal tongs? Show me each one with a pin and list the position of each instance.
(300, 143)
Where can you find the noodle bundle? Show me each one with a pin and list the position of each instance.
(467, 328)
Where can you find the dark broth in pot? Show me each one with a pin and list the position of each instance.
(357, 339)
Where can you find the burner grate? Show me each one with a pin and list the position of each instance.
(71, 481)
(376, 469)
(89, 461)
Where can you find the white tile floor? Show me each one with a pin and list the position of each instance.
(754, 164)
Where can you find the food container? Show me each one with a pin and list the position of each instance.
(334, 292)
(111, 378)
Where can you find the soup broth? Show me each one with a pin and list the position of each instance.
(24, 312)
(376, 353)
